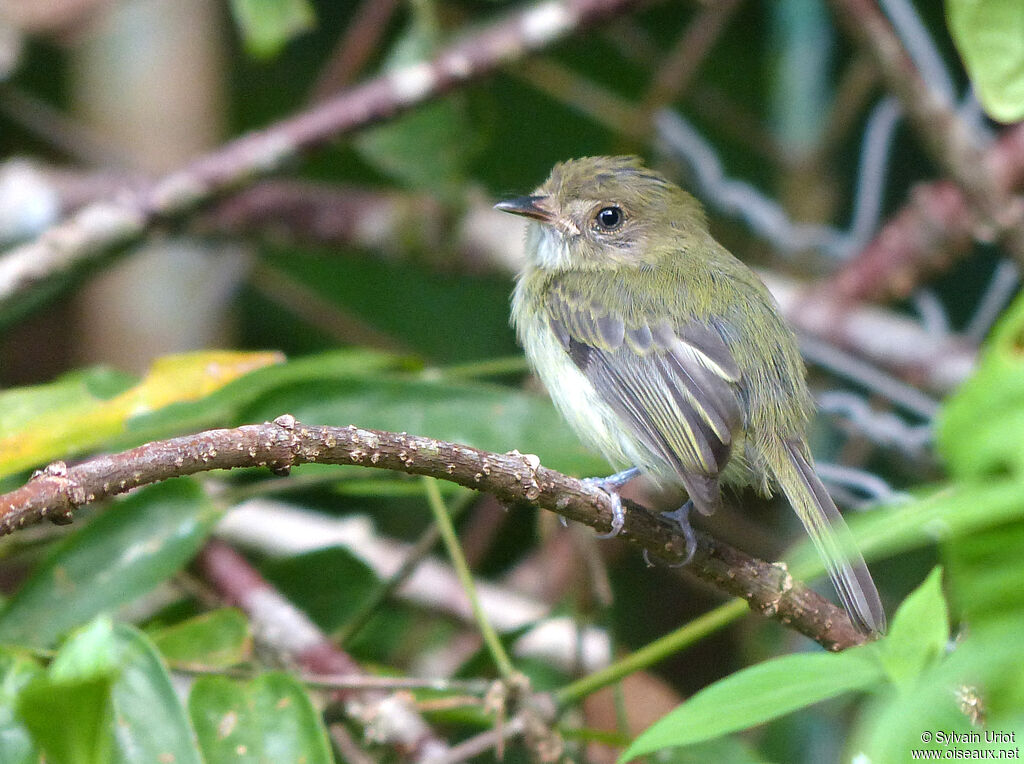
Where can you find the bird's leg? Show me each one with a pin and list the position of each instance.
(611, 485)
(681, 518)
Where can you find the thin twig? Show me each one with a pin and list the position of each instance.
(369, 22)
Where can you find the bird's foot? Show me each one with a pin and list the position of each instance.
(611, 485)
(681, 518)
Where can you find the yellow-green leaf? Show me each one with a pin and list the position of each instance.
(68, 417)
(990, 37)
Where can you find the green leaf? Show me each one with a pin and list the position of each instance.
(980, 429)
(987, 660)
(759, 694)
(114, 700)
(724, 750)
(217, 639)
(123, 553)
(152, 724)
(83, 707)
(89, 652)
(948, 513)
(268, 719)
(988, 34)
(344, 581)
(268, 25)
(17, 670)
(77, 690)
(222, 406)
(919, 633)
(984, 571)
(86, 409)
(69, 392)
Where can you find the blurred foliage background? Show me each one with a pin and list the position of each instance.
(368, 284)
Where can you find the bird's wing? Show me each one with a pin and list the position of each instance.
(673, 383)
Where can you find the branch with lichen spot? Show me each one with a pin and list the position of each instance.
(105, 227)
(515, 478)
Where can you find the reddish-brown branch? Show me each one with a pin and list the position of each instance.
(513, 477)
(935, 227)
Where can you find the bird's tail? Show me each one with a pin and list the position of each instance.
(832, 538)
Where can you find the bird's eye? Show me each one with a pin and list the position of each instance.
(609, 218)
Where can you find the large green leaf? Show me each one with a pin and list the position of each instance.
(77, 690)
(87, 409)
(269, 719)
(222, 406)
(84, 710)
(985, 570)
(151, 723)
(123, 553)
(980, 429)
(986, 663)
(946, 513)
(988, 34)
(759, 694)
(68, 393)
(114, 700)
(919, 632)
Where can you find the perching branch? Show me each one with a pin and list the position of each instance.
(104, 227)
(515, 478)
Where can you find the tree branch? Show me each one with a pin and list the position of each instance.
(104, 227)
(513, 477)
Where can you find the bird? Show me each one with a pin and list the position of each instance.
(668, 355)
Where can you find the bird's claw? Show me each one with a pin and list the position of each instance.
(681, 518)
(611, 485)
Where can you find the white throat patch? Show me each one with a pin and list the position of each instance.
(550, 245)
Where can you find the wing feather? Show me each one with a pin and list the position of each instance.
(674, 386)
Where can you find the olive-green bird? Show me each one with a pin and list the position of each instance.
(666, 353)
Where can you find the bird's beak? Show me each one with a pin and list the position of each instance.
(529, 207)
